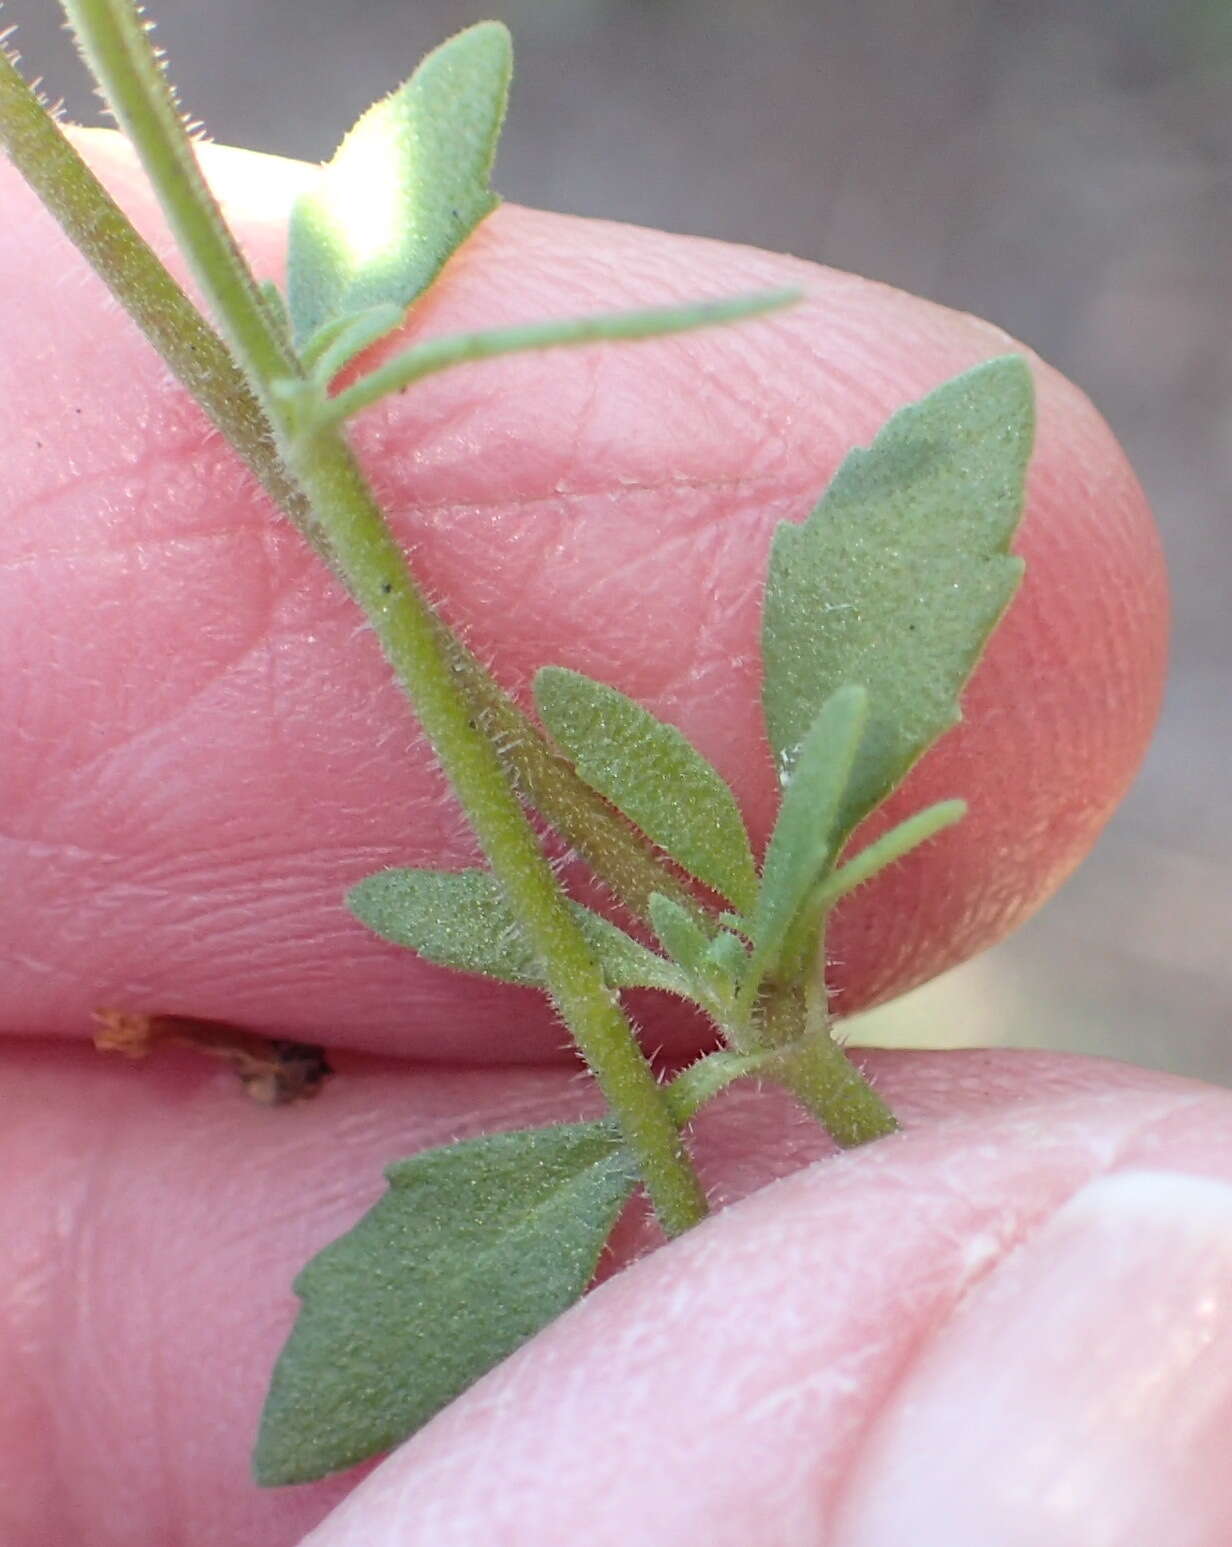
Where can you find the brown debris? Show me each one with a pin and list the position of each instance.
(272, 1071)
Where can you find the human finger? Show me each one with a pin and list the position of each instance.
(205, 749)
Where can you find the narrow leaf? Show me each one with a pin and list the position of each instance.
(805, 837)
(443, 354)
(899, 576)
(803, 937)
(890, 847)
(276, 306)
(657, 778)
(472, 1250)
(706, 1078)
(336, 345)
(406, 187)
(678, 934)
(460, 918)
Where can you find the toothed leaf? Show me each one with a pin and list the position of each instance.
(473, 1248)
(899, 576)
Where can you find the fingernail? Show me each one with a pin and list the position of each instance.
(1080, 1397)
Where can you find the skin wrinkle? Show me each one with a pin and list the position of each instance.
(169, 455)
(97, 763)
(783, 377)
(850, 1474)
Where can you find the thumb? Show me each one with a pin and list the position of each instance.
(206, 749)
(1008, 1327)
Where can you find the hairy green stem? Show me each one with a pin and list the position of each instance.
(136, 276)
(817, 1071)
(376, 571)
(614, 850)
(364, 552)
(114, 41)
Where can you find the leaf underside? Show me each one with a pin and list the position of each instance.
(899, 576)
(406, 187)
(460, 919)
(472, 1250)
(648, 770)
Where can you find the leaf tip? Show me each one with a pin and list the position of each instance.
(489, 43)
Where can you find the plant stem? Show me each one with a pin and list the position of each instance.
(103, 233)
(114, 41)
(365, 553)
(409, 633)
(817, 1071)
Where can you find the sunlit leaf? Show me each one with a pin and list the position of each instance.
(406, 187)
(471, 1251)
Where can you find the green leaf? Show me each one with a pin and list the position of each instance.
(713, 967)
(406, 187)
(899, 576)
(702, 1081)
(651, 773)
(472, 1250)
(805, 838)
(802, 938)
(891, 846)
(460, 918)
(726, 953)
(276, 306)
(334, 346)
(679, 934)
(444, 354)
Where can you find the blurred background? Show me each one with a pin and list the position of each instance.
(1063, 168)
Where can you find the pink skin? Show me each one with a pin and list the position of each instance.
(874, 1352)
(181, 840)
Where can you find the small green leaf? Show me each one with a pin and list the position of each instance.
(805, 838)
(337, 343)
(705, 1079)
(713, 967)
(406, 187)
(802, 938)
(727, 954)
(678, 934)
(651, 773)
(899, 576)
(444, 354)
(460, 918)
(472, 1250)
(891, 846)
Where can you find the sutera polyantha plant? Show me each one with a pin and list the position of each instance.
(876, 610)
